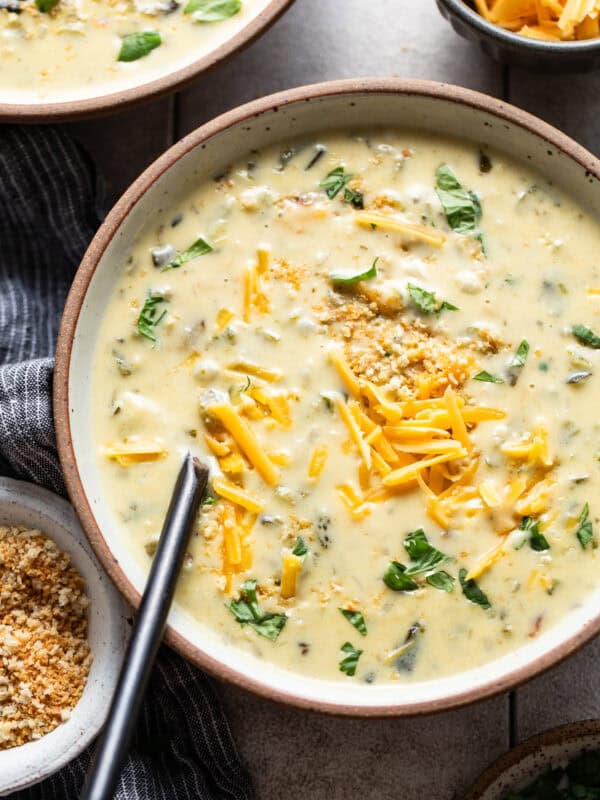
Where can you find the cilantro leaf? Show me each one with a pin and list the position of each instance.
(487, 377)
(585, 532)
(150, 316)
(427, 302)
(341, 279)
(355, 618)
(396, 579)
(246, 611)
(356, 199)
(424, 559)
(335, 181)
(350, 662)
(212, 10)
(45, 5)
(586, 336)
(423, 555)
(199, 248)
(517, 362)
(300, 548)
(269, 625)
(462, 208)
(472, 591)
(137, 45)
(441, 580)
(537, 540)
(520, 356)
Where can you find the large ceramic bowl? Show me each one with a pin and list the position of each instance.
(204, 153)
(136, 86)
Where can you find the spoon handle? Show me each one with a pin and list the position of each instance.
(147, 633)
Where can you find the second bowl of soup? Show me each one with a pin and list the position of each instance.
(382, 335)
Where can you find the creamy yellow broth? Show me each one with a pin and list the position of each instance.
(72, 50)
(340, 418)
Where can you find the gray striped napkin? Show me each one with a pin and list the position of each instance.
(49, 211)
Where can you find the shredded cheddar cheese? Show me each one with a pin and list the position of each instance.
(247, 441)
(375, 220)
(237, 495)
(130, 453)
(549, 20)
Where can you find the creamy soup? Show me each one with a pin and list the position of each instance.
(69, 49)
(384, 346)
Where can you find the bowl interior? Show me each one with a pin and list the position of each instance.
(29, 505)
(424, 106)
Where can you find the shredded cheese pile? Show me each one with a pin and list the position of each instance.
(407, 445)
(549, 20)
(425, 444)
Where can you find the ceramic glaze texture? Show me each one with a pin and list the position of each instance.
(164, 192)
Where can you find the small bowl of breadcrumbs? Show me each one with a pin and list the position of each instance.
(63, 630)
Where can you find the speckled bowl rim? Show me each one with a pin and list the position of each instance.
(150, 90)
(472, 18)
(75, 300)
(571, 732)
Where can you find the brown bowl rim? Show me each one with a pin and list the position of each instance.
(559, 735)
(150, 90)
(439, 91)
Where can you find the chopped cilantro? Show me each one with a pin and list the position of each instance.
(441, 580)
(137, 45)
(335, 181)
(537, 540)
(396, 579)
(350, 662)
(355, 618)
(487, 377)
(150, 316)
(585, 531)
(427, 302)
(586, 336)
(342, 279)
(300, 548)
(472, 591)
(462, 208)
(212, 10)
(246, 612)
(199, 248)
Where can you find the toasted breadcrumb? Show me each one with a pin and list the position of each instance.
(44, 653)
(402, 354)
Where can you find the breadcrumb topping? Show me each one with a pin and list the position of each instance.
(397, 352)
(44, 653)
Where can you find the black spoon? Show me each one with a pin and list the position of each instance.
(147, 633)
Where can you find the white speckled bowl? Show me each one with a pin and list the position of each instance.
(349, 105)
(553, 748)
(26, 504)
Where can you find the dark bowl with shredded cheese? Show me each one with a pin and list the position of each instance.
(509, 47)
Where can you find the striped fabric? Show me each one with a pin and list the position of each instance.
(49, 210)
